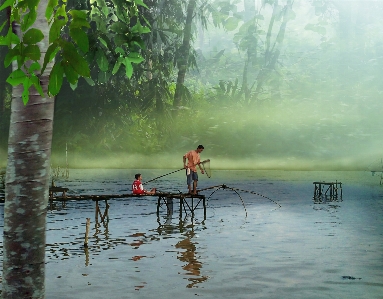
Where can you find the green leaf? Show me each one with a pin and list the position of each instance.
(102, 5)
(231, 24)
(145, 30)
(78, 14)
(138, 28)
(61, 13)
(50, 8)
(119, 27)
(49, 55)
(55, 30)
(28, 20)
(56, 79)
(3, 25)
(79, 23)
(90, 81)
(70, 74)
(102, 61)
(73, 86)
(122, 14)
(3, 41)
(135, 57)
(120, 39)
(32, 4)
(17, 77)
(14, 38)
(140, 2)
(80, 38)
(34, 67)
(36, 83)
(25, 94)
(33, 36)
(77, 61)
(102, 40)
(105, 40)
(20, 60)
(117, 65)
(32, 51)
(6, 4)
(120, 50)
(11, 55)
(139, 44)
(103, 77)
(128, 67)
(101, 26)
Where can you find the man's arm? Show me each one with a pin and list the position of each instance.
(200, 168)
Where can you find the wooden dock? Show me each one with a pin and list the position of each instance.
(188, 203)
(327, 190)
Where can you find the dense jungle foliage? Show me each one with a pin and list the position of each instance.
(244, 78)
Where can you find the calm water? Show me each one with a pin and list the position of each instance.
(247, 247)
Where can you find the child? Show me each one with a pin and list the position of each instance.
(137, 187)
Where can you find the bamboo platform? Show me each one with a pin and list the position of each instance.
(188, 203)
(330, 190)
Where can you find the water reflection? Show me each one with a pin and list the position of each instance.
(189, 255)
(138, 253)
(188, 249)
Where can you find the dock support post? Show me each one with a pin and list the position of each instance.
(204, 208)
(181, 205)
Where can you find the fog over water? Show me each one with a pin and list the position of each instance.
(324, 114)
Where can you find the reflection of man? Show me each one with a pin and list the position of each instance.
(193, 159)
(193, 266)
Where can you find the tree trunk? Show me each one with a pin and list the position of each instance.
(27, 185)
(272, 53)
(184, 56)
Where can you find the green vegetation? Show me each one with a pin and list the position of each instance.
(288, 80)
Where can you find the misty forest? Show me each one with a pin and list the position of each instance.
(131, 85)
(262, 84)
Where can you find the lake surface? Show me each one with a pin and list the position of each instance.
(267, 238)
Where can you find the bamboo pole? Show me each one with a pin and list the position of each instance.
(87, 232)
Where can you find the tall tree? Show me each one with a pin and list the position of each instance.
(34, 40)
(273, 50)
(249, 39)
(27, 179)
(183, 56)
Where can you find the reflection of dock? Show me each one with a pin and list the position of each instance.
(327, 190)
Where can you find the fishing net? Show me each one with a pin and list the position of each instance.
(206, 167)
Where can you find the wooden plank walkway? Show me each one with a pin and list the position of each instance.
(187, 202)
